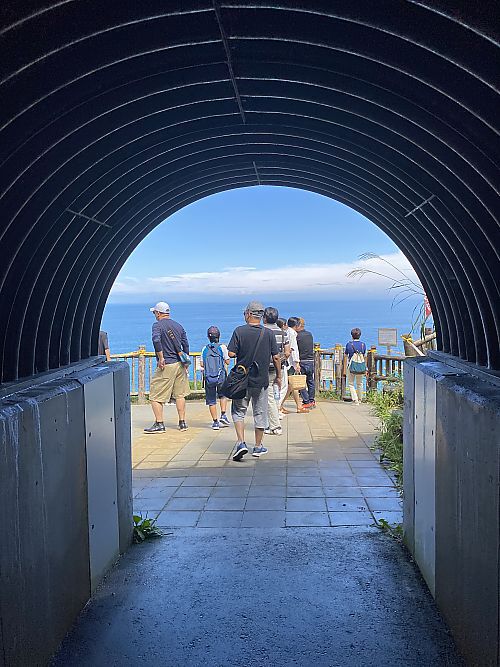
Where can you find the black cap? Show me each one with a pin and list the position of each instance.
(213, 332)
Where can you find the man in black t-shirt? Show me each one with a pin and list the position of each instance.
(103, 345)
(253, 346)
(306, 353)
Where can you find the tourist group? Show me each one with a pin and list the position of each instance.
(267, 351)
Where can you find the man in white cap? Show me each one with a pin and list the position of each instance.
(170, 379)
(253, 346)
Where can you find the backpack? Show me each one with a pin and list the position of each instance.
(357, 363)
(213, 365)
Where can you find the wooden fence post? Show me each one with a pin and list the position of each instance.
(317, 368)
(371, 365)
(337, 366)
(141, 376)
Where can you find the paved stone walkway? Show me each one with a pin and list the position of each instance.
(320, 472)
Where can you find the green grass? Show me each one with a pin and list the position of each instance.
(330, 395)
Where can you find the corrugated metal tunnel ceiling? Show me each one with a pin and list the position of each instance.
(127, 111)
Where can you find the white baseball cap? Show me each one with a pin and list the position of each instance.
(161, 307)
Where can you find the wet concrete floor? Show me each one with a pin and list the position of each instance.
(275, 561)
(335, 597)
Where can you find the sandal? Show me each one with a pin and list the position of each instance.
(284, 411)
(303, 411)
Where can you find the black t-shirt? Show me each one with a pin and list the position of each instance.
(103, 344)
(243, 343)
(306, 345)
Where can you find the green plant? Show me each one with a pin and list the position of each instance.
(145, 529)
(395, 530)
(387, 406)
(404, 286)
(330, 394)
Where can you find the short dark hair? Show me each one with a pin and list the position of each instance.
(280, 322)
(356, 333)
(292, 322)
(270, 315)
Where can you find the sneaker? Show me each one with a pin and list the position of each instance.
(259, 451)
(309, 405)
(240, 451)
(183, 426)
(158, 427)
(224, 421)
(274, 431)
(216, 425)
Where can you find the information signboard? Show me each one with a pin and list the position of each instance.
(327, 369)
(388, 337)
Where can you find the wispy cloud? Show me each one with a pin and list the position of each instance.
(320, 279)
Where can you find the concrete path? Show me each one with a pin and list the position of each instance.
(274, 561)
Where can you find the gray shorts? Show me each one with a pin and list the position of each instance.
(258, 397)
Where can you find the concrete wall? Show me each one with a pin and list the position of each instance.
(451, 506)
(54, 477)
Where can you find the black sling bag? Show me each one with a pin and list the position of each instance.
(236, 383)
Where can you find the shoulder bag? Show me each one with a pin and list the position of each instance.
(184, 358)
(236, 383)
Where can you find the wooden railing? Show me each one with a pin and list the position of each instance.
(329, 364)
(142, 365)
(328, 370)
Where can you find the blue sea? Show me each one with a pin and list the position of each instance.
(129, 325)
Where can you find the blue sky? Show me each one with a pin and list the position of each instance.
(263, 241)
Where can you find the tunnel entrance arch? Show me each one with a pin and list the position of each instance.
(114, 120)
(114, 117)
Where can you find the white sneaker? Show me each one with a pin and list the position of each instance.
(274, 431)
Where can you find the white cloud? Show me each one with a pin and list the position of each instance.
(320, 279)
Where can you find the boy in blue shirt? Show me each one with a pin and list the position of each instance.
(214, 362)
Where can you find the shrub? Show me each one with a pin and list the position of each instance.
(387, 406)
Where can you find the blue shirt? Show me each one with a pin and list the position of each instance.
(355, 346)
(163, 343)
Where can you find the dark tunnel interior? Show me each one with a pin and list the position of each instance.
(115, 115)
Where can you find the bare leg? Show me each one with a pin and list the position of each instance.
(287, 396)
(240, 431)
(181, 408)
(213, 411)
(223, 404)
(296, 398)
(259, 434)
(157, 410)
(282, 404)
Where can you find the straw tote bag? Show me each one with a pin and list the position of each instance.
(297, 381)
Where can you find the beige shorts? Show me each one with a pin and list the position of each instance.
(171, 382)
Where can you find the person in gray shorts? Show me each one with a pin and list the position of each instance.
(242, 346)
